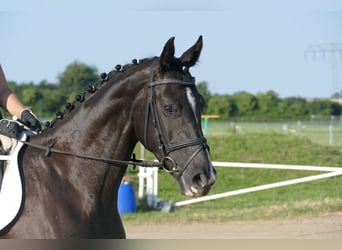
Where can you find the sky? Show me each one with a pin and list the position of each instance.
(253, 46)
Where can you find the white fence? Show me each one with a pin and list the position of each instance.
(150, 183)
(332, 171)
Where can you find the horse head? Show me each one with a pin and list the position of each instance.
(172, 120)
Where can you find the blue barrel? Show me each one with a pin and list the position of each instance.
(126, 199)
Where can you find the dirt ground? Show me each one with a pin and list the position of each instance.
(327, 226)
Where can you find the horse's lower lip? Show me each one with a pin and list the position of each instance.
(194, 190)
(189, 194)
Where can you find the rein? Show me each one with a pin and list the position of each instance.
(134, 162)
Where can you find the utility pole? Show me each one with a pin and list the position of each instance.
(331, 52)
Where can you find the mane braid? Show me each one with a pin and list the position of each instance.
(135, 63)
(80, 98)
(92, 89)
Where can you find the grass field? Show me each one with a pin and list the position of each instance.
(322, 132)
(312, 198)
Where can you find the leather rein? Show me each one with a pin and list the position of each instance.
(166, 149)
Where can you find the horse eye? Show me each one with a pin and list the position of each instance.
(168, 108)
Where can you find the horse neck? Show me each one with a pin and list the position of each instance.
(101, 126)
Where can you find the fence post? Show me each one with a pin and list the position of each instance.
(148, 182)
(330, 134)
(331, 130)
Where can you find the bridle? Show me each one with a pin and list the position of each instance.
(163, 145)
(151, 108)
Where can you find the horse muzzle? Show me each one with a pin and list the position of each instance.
(196, 174)
(197, 185)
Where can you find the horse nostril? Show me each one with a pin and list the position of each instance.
(200, 180)
(204, 180)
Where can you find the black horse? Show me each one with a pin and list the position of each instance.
(70, 183)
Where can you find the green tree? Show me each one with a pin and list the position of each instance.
(324, 107)
(51, 100)
(293, 108)
(267, 101)
(31, 95)
(44, 98)
(267, 105)
(246, 103)
(76, 78)
(13, 85)
(336, 109)
(220, 105)
(202, 88)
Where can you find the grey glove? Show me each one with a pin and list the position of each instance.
(30, 120)
(10, 128)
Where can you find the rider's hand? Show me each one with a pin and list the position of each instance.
(30, 120)
(11, 128)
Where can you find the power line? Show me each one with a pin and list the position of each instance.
(333, 53)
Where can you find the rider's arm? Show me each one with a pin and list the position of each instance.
(11, 103)
(8, 100)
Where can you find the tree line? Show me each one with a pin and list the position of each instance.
(266, 106)
(47, 98)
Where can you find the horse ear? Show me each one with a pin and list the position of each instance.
(191, 56)
(167, 54)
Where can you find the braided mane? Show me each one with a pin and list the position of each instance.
(114, 75)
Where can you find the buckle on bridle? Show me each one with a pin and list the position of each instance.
(174, 167)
